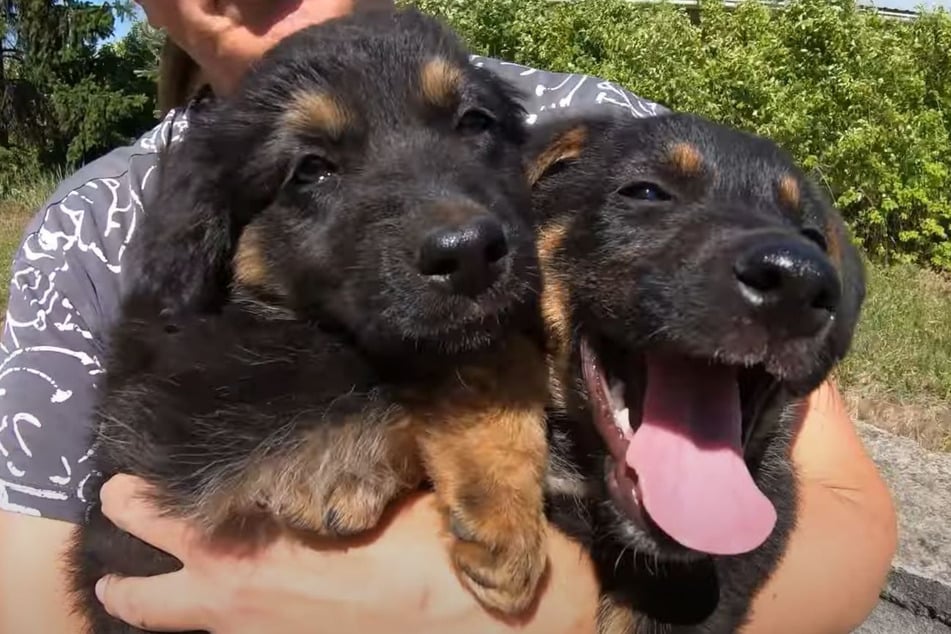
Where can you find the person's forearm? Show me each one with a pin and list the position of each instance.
(833, 571)
(840, 552)
(570, 599)
(33, 588)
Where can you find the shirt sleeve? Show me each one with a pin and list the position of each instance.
(64, 297)
(549, 95)
(50, 363)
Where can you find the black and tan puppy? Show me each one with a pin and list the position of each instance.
(698, 286)
(333, 296)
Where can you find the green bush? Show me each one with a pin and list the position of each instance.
(862, 100)
(68, 92)
(18, 168)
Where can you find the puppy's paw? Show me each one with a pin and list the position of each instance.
(355, 504)
(347, 505)
(488, 472)
(301, 509)
(499, 563)
(342, 484)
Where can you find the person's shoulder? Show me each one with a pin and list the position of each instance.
(548, 94)
(129, 163)
(63, 296)
(78, 236)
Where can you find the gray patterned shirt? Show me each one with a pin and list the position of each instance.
(64, 296)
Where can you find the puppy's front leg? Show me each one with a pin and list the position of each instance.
(487, 459)
(334, 479)
(342, 480)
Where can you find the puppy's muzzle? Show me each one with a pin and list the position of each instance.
(788, 285)
(464, 255)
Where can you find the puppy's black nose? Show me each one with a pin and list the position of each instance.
(789, 284)
(466, 256)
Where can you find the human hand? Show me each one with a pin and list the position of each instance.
(226, 36)
(397, 579)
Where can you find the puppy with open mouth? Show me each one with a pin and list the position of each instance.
(697, 287)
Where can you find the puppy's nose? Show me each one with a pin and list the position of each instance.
(465, 256)
(789, 284)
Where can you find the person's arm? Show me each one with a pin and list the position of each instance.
(827, 583)
(840, 553)
(32, 583)
(47, 370)
(398, 579)
(63, 295)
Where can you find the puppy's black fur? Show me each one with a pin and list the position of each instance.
(673, 237)
(333, 295)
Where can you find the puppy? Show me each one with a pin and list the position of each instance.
(697, 287)
(333, 297)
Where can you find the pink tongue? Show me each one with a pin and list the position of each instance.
(687, 456)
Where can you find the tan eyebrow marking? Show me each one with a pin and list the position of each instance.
(686, 158)
(789, 194)
(317, 111)
(439, 81)
(568, 145)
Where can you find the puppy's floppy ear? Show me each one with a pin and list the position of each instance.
(179, 258)
(847, 260)
(553, 145)
(853, 276)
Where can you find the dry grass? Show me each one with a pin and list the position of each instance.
(899, 374)
(927, 421)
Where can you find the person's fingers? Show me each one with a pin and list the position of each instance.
(125, 502)
(165, 603)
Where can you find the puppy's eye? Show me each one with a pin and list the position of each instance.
(313, 169)
(811, 233)
(557, 168)
(475, 122)
(643, 190)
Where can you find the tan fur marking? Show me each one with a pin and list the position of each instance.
(555, 304)
(555, 292)
(834, 234)
(789, 195)
(567, 145)
(456, 212)
(686, 158)
(614, 618)
(311, 111)
(439, 81)
(486, 453)
(250, 262)
(354, 468)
